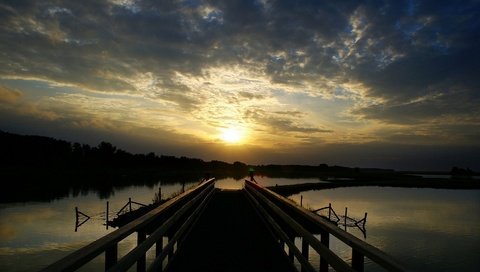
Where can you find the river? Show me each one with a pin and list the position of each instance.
(424, 229)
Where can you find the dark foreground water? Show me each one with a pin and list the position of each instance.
(425, 229)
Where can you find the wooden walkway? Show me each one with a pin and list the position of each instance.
(211, 230)
(230, 236)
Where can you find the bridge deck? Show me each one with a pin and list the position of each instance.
(230, 236)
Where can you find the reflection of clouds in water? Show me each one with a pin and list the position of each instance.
(422, 209)
(7, 232)
(42, 248)
(415, 225)
(11, 220)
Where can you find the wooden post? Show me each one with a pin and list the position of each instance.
(106, 217)
(325, 240)
(76, 219)
(357, 260)
(304, 251)
(130, 203)
(159, 194)
(111, 256)
(301, 200)
(159, 249)
(170, 253)
(345, 219)
(329, 210)
(142, 261)
(291, 255)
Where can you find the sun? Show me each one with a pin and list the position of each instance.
(231, 135)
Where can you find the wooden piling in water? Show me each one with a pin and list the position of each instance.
(329, 211)
(106, 216)
(345, 219)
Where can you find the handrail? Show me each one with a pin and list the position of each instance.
(108, 243)
(128, 260)
(278, 230)
(336, 262)
(359, 248)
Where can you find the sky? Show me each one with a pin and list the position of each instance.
(390, 84)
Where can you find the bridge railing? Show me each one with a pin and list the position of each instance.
(288, 221)
(173, 219)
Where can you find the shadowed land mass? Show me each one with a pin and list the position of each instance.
(52, 168)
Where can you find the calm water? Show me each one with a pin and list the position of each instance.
(425, 229)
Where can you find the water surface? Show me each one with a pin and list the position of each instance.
(425, 229)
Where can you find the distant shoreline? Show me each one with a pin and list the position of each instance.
(433, 183)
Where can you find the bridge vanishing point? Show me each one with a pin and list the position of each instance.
(208, 229)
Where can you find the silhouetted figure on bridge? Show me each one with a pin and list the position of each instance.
(251, 173)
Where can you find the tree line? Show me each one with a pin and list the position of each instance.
(43, 166)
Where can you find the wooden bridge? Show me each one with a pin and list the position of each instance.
(207, 229)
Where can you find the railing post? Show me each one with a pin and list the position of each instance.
(130, 203)
(357, 260)
(111, 256)
(170, 253)
(141, 263)
(304, 251)
(325, 240)
(159, 249)
(291, 255)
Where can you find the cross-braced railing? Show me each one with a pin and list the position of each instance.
(287, 221)
(173, 220)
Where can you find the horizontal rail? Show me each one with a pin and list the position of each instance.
(358, 246)
(78, 258)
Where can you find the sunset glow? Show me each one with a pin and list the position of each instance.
(231, 135)
(359, 84)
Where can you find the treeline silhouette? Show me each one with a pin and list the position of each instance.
(42, 168)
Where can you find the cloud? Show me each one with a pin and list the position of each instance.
(282, 122)
(198, 66)
(441, 108)
(9, 95)
(13, 101)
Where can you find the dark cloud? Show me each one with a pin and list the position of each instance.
(282, 122)
(398, 49)
(250, 95)
(439, 107)
(410, 62)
